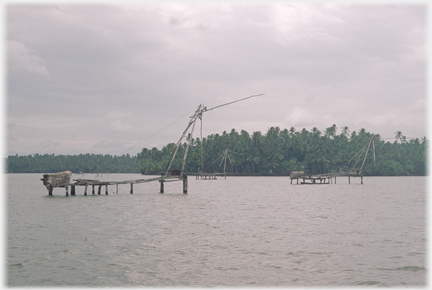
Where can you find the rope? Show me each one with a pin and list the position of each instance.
(159, 131)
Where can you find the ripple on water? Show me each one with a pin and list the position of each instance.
(234, 232)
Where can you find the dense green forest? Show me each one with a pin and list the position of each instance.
(281, 151)
(275, 152)
(86, 163)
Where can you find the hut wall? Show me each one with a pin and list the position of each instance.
(57, 179)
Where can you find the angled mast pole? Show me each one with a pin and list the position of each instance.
(192, 121)
(202, 165)
(366, 153)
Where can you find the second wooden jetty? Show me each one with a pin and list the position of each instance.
(325, 178)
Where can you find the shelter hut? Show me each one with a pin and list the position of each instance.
(59, 179)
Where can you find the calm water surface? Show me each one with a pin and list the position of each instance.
(242, 231)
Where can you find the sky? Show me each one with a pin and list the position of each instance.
(113, 79)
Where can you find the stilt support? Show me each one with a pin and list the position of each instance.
(73, 190)
(85, 190)
(67, 190)
(99, 189)
(185, 183)
(93, 192)
(162, 184)
(131, 191)
(106, 189)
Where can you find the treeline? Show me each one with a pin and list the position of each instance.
(281, 151)
(86, 163)
(275, 152)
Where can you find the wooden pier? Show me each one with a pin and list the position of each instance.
(62, 180)
(325, 178)
(208, 176)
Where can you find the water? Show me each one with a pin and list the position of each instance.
(242, 231)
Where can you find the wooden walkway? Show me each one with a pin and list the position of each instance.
(325, 178)
(62, 179)
(208, 176)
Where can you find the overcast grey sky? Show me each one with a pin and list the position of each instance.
(104, 78)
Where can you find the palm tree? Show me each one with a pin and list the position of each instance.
(331, 131)
(399, 136)
(345, 131)
(292, 131)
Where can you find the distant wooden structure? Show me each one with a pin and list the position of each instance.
(311, 179)
(208, 176)
(326, 178)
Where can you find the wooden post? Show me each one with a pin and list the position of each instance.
(117, 188)
(99, 189)
(67, 190)
(162, 183)
(106, 189)
(85, 190)
(362, 179)
(161, 186)
(349, 179)
(50, 190)
(73, 190)
(335, 179)
(297, 180)
(93, 192)
(131, 191)
(184, 177)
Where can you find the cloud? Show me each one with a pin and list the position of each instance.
(87, 73)
(22, 59)
(116, 121)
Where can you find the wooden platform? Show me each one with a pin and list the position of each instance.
(61, 179)
(326, 178)
(208, 176)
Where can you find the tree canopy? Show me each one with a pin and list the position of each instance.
(85, 163)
